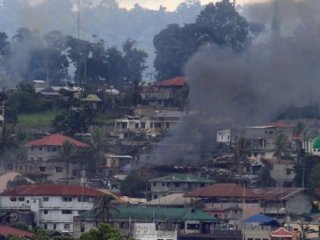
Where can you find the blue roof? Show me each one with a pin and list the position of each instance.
(259, 218)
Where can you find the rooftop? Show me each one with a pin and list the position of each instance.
(173, 82)
(156, 213)
(223, 190)
(52, 190)
(277, 194)
(175, 199)
(55, 140)
(281, 233)
(7, 231)
(91, 98)
(182, 178)
(272, 125)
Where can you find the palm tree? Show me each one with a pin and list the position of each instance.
(281, 146)
(102, 208)
(240, 150)
(68, 153)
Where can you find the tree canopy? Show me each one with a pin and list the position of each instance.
(218, 23)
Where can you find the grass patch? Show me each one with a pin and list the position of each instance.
(103, 119)
(40, 119)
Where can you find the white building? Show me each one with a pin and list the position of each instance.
(224, 136)
(148, 231)
(54, 205)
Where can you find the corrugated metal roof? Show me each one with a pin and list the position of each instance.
(52, 190)
(10, 231)
(182, 178)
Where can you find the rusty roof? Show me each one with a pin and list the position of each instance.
(223, 190)
(52, 190)
(7, 231)
(277, 194)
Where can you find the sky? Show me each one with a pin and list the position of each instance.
(169, 4)
(155, 4)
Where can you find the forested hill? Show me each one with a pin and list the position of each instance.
(105, 20)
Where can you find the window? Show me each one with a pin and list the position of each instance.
(154, 184)
(45, 199)
(193, 226)
(58, 169)
(21, 199)
(67, 199)
(66, 211)
(157, 125)
(81, 211)
(83, 199)
(54, 226)
(13, 199)
(67, 226)
(167, 125)
(288, 171)
(45, 226)
(45, 211)
(54, 149)
(42, 169)
(40, 148)
(143, 125)
(136, 125)
(163, 184)
(177, 185)
(74, 172)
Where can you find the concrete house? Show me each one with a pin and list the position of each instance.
(263, 138)
(177, 183)
(282, 172)
(53, 205)
(44, 158)
(282, 203)
(152, 124)
(164, 93)
(184, 220)
(113, 164)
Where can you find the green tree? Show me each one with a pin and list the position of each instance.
(102, 207)
(303, 169)
(264, 178)
(240, 151)
(103, 232)
(218, 23)
(282, 146)
(68, 154)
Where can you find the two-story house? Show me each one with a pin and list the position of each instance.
(45, 157)
(53, 205)
(152, 124)
(263, 138)
(177, 183)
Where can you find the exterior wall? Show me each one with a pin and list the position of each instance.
(147, 231)
(53, 170)
(224, 136)
(283, 173)
(161, 189)
(43, 153)
(51, 212)
(256, 234)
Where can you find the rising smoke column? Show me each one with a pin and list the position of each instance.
(235, 89)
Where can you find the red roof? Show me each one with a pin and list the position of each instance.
(52, 190)
(223, 190)
(281, 233)
(10, 231)
(277, 194)
(173, 82)
(55, 140)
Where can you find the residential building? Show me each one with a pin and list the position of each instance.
(184, 220)
(53, 205)
(263, 138)
(282, 172)
(283, 234)
(45, 158)
(153, 124)
(148, 231)
(282, 203)
(114, 164)
(171, 200)
(259, 227)
(226, 136)
(176, 183)
(229, 202)
(167, 93)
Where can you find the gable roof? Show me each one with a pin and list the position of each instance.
(11, 231)
(188, 178)
(156, 213)
(173, 82)
(91, 98)
(52, 190)
(277, 194)
(55, 140)
(223, 190)
(281, 233)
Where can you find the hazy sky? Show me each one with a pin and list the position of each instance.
(155, 4)
(170, 4)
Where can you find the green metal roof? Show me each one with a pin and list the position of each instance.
(316, 143)
(182, 178)
(156, 213)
